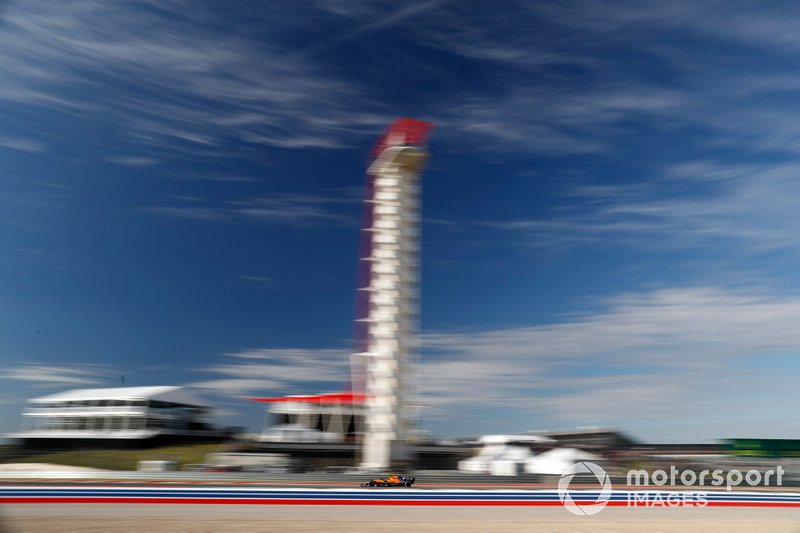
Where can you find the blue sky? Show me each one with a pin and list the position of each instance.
(611, 229)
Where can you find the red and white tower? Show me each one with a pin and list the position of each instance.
(388, 310)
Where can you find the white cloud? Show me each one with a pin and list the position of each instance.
(568, 77)
(58, 375)
(731, 208)
(279, 371)
(163, 78)
(167, 80)
(675, 356)
(22, 145)
(557, 120)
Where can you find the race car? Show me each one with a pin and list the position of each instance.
(390, 481)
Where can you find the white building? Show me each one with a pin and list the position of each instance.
(556, 461)
(121, 413)
(504, 455)
(331, 417)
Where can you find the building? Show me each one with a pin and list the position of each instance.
(594, 439)
(504, 454)
(389, 292)
(121, 416)
(335, 417)
(327, 430)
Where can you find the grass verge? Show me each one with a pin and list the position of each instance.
(128, 459)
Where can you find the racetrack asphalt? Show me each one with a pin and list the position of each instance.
(111, 518)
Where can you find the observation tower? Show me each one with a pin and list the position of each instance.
(387, 310)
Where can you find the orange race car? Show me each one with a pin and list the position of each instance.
(390, 481)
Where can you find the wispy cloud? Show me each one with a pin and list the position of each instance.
(134, 161)
(226, 178)
(190, 212)
(558, 121)
(750, 206)
(170, 79)
(392, 16)
(570, 78)
(45, 375)
(163, 78)
(23, 145)
(292, 210)
(301, 210)
(279, 371)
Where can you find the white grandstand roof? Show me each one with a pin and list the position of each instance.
(165, 393)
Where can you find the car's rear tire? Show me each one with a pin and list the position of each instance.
(407, 484)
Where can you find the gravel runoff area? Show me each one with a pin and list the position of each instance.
(62, 518)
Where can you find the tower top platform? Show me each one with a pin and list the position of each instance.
(402, 132)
